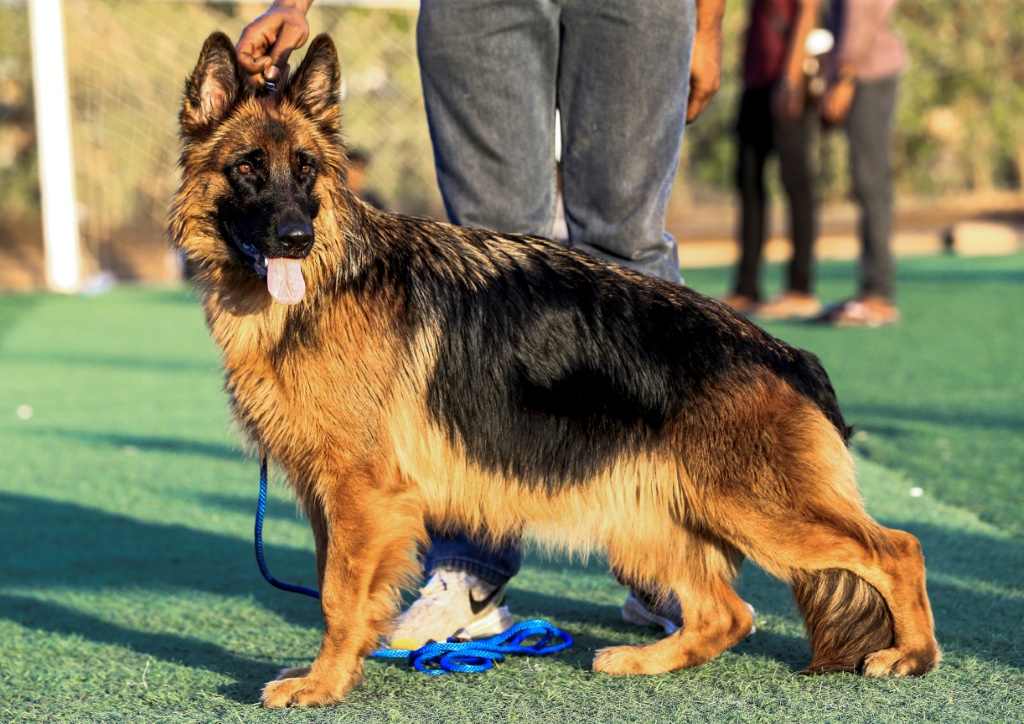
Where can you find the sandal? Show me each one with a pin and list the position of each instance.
(870, 312)
(789, 306)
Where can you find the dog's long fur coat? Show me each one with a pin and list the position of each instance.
(502, 385)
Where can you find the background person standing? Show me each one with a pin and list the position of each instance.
(864, 68)
(776, 117)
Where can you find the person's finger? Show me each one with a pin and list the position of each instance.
(291, 35)
(704, 85)
(254, 66)
(277, 74)
(698, 102)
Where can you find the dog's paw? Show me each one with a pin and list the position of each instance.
(300, 691)
(621, 660)
(896, 662)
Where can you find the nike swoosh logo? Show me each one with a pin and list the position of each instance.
(477, 606)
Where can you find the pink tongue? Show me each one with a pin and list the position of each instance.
(284, 280)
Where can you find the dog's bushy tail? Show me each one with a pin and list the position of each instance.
(846, 619)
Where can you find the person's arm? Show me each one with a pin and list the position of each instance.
(267, 41)
(788, 97)
(706, 61)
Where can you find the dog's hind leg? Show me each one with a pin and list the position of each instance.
(368, 534)
(863, 598)
(860, 586)
(865, 605)
(714, 616)
(901, 581)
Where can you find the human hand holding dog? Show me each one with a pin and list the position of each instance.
(267, 41)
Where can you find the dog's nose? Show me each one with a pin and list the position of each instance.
(295, 235)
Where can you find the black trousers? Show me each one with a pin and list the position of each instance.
(759, 135)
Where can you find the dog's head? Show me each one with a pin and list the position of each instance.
(257, 166)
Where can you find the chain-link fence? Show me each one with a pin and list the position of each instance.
(127, 61)
(20, 245)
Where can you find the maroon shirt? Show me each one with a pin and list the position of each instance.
(764, 59)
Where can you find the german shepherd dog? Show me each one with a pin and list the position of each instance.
(403, 371)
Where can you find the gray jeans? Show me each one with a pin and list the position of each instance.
(869, 128)
(493, 73)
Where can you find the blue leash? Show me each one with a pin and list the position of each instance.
(261, 510)
(471, 657)
(434, 659)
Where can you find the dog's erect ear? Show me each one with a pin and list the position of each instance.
(316, 85)
(214, 86)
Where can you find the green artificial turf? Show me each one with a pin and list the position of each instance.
(128, 589)
(940, 397)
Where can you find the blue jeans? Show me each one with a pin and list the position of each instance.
(618, 71)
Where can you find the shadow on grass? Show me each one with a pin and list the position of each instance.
(134, 364)
(189, 651)
(876, 416)
(62, 545)
(150, 443)
(72, 546)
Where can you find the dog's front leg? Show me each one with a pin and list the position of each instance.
(367, 535)
(318, 522)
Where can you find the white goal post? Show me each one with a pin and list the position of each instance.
(59, 203)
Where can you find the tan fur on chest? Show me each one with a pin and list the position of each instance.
(315, 404)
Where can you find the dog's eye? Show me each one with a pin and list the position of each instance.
(244, 168)
(305, 169)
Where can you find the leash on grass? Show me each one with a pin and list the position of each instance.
(451, 657)
(471, 657)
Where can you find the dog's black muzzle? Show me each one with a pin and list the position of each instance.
(295, 236)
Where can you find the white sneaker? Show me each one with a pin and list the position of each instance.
(452, 603)
(634, 611)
